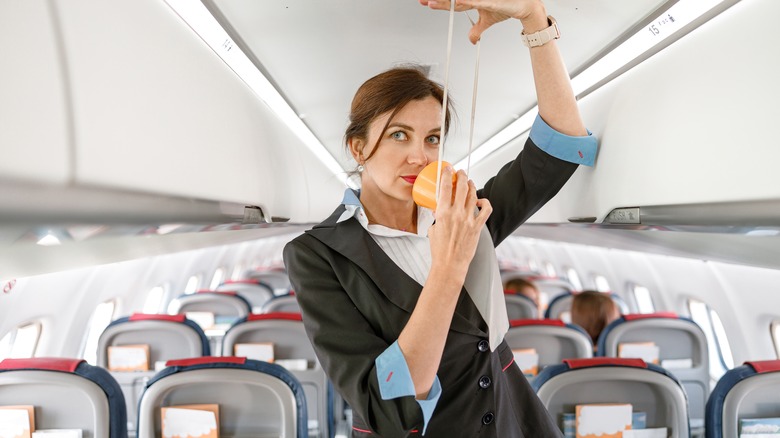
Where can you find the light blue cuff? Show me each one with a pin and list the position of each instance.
(578, 150)
(429, 404)
(395, 381)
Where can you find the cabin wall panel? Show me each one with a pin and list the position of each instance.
(754, 304)
(694, 123)
(33, 119)
(689, 278)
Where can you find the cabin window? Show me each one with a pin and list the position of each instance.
(20, 342)
(216, 280)
(573, 278)
(643, 299)
(154, 299)
(238, 272)
(602, 285)
(549, 269)
(721, 358)
(193, 284)
(776, 337)
(100, 319)
(532, 265)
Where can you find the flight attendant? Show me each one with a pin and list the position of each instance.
(406, 315)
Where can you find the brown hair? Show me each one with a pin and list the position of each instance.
(593, 311)
(520, 285)
(390, 91)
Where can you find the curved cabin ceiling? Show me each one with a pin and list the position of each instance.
(318, 53)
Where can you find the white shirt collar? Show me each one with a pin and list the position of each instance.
(353, 208)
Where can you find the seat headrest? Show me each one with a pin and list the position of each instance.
(156, 317)
(243, 282)
(42, 363)
(604, 361)
(205, 360)
(290, 316)
(530, 322)
(231, 293)
(636, 316)
(765, 366)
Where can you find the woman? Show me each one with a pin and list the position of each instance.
(521, 286)
(402, 312)
(593, 311)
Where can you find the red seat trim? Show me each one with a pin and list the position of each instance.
(636, 316)
(530, 322)
(765, 366)
(290, 316)
(257, 282)
(601, 361)
(42, 363)
(204, 360)
(156, 317)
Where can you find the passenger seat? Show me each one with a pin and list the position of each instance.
(66, 394)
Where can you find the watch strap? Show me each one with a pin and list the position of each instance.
(544, 36)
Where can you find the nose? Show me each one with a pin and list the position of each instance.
(417, 155)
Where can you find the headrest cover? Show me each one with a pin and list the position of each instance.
(275, 316)
(204, 360)
(155, 317)
(527, 322)
(635, 316)
(242, 282)
(765, 366)
(220, 292)
(42, 363)
(604, 361)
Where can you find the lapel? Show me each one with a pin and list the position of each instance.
(352, 241)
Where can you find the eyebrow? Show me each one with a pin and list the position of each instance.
(409, 128)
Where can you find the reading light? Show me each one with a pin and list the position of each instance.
(49, 240)
(663, 26)
(200, 20)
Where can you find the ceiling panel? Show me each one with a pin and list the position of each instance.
(319, 52)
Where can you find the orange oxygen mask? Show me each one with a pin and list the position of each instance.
(424, 189)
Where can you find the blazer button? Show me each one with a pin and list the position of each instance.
(484, 382)
(488, 418)
(483, 346)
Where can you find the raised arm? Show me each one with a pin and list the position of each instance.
(557, 105)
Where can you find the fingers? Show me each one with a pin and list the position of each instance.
(471, 200)
(485, 209)
(445, 189)
(444, 5)
(461, 189)
(476, 31)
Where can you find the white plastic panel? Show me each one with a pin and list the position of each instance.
(156, 110)
(33, 123)
(695, 123)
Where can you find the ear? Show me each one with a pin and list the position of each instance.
(356, 147)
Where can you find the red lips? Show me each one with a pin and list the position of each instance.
(410, 179)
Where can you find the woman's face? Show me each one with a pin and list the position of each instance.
(410, 142)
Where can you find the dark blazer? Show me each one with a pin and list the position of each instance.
(355, 302)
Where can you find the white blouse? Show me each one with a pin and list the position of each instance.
(412, 253)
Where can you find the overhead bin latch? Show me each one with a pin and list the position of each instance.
(629, 215)
(254, 215)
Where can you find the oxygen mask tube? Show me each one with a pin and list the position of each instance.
(446, 98)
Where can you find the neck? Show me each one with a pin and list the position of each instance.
(389, 212)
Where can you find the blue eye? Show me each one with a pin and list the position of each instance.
(433, 139)
(398, 135)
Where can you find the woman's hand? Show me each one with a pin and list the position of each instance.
(492, 11)
(455, 234)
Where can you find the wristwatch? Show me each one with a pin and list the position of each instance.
(544, 36)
